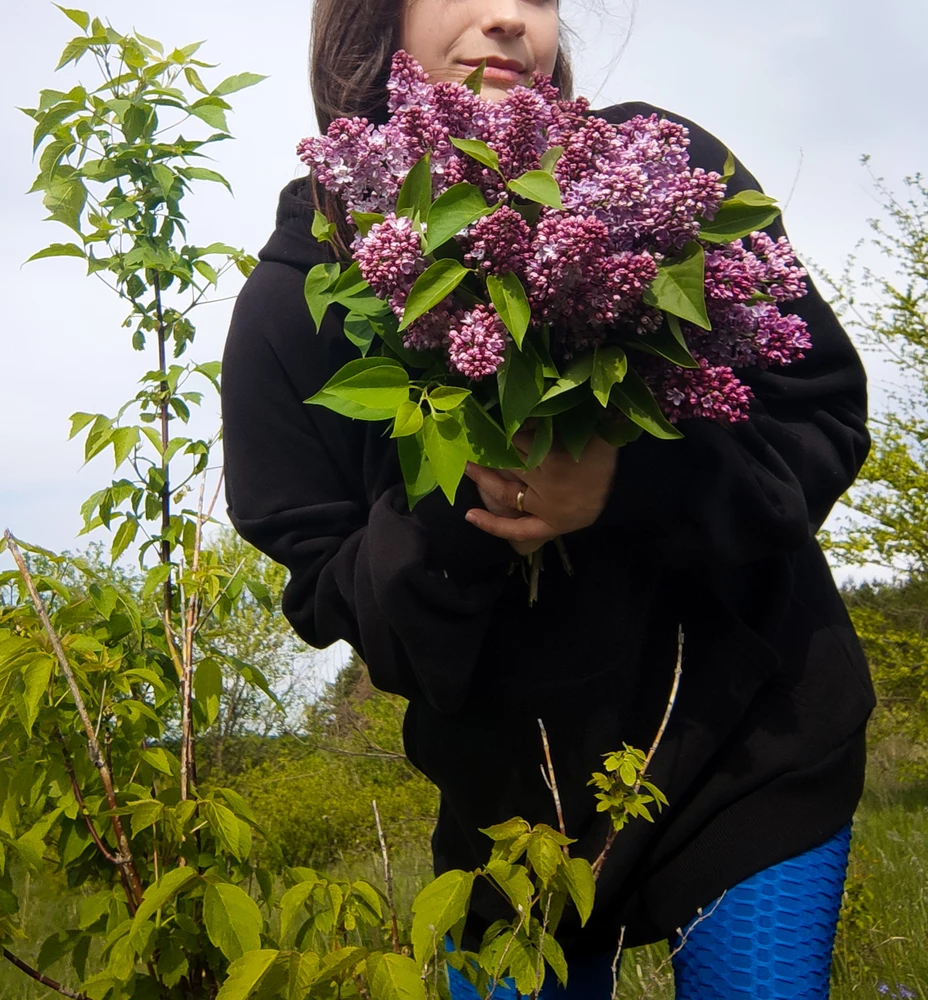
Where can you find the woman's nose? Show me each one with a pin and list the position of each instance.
(503, 17)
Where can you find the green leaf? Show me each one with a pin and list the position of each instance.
(125, 536)
(616, 429)
(453, 210)
(59, 250)
(233, 833)
(538, 186)
(124, 439)
(609, 367)
(238, 82)
(292, 903)
(251, 971)
(366, 220)
(159, 759)
(65, 199)
(36, 675)
(164, 177)
(409, 420)
(520, 387)
(448, 397)
(554, 956)
(415, 195)
(353, 292)
(213, 116)
(510, 829)
(359, 330)
(145, 814)
(323, 230)
(94, 907)
(550, 158)
(668, 342)
(433, 285)
(728, 171)
(417, 473)
(397, 978)
(576, 426)
(579, 881)
(514, 881)
(739, 216)
(316, 289)
(436, 909)
(367, 389)
(542, 440)
(634, 399)
(679, 288)
(232, 919)
(447, 449)
(79, 17)
(158, 895)
(205, 174)
(207, 686)
(511, 303)
(487, 439)
(478, 151)
(474, 81)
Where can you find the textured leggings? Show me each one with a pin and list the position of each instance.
(768, 938)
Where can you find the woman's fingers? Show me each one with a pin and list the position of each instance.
(503, 490)
(519, 529)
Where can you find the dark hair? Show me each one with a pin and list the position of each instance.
(351, 48)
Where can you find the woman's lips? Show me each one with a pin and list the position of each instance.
(503, 75)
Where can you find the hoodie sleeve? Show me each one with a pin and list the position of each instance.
(411, 592)
(763, 486)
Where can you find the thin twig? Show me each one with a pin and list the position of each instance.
(500, 965)
(552, 784)
(675, 687)
(204, 618)
(65, 991)
(617, 964)
(689, 930)
(388, 879)
(93, 746)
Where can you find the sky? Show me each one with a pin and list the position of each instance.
(799, 91)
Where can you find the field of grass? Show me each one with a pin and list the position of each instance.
(881, 952)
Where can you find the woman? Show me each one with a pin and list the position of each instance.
(763, 758)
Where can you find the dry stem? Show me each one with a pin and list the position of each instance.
(675, 687)
(552, 784)
(93, 747)
(689, 930)
(65, 991)
(388, 879)
(617, 964)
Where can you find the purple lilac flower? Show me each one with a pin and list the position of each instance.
(782, 276)
(389, 256)
(499, 242)
(710, 392)
(477, 342)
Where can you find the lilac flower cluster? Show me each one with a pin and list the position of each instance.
(630, 200)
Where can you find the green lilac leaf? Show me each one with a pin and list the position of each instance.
(316, 289)
(479, 151)
(365, 220)
(550, 158)
(511, 303)
(487, 439)
(538, 186)
(474, 81)
(415, 197)
(453, 210)
(635, 400)
(433, 285)
(610, 366)
(679, 288)
(417, 473)
(575, 427)
(520, 387)
(542, 440)
(360, 332)
(409, 419)
(448, 397)
(447, 449)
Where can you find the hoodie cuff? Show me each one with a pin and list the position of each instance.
(453, 544)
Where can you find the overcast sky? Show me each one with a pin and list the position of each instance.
(797, 90)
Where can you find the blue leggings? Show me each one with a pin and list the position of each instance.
(768, 938)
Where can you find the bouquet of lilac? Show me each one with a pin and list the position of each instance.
(511, 260)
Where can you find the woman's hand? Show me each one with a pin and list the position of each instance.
(561, 495)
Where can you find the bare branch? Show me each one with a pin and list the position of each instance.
(617, 964)
(65, 991)
(388, 879)
(93, 747)
(552, 784)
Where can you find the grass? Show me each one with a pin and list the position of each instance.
(882, 938)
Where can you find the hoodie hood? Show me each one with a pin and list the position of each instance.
(292, 241)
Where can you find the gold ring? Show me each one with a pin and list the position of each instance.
(519, 498)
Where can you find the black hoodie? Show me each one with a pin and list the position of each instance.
(764, 754)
